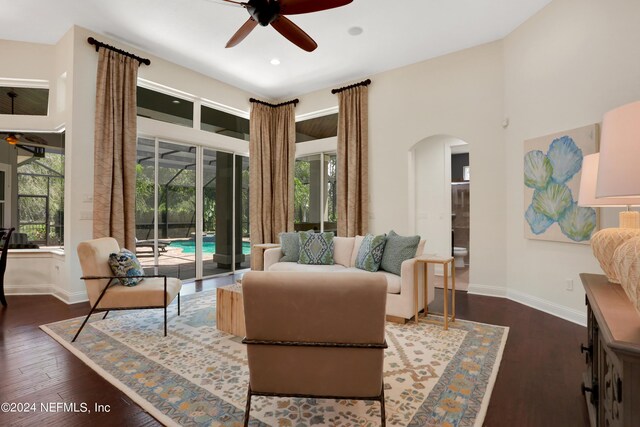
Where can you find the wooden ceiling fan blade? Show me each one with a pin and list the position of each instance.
(294, 34)
(243, 32)
(295, 7)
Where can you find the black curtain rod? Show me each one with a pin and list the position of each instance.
(342, 89)
(257, 101)
(98, 45)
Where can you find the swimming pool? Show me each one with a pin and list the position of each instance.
(208, 248)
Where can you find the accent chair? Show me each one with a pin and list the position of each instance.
(107, 293)
(315, 335)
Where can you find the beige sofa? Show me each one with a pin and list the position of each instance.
(400, 293)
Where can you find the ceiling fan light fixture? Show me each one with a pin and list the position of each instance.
(12, 139)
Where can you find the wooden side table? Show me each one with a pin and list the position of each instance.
(446, 262)
(230, 310)
(257, 254)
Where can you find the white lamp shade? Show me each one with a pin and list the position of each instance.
(619, 168)
(588, 179)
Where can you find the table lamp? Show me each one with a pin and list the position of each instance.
(605, 241)
(619, 176)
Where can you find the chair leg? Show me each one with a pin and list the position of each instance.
(383, 417)
(105, 315)
(247, 408)
(178, 303)
(165, 320)
(85, 321)
(2, 298)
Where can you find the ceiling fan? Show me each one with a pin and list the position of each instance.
(265, 12)
(15, 138)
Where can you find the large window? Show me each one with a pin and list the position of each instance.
(163, 107)
(222, 123)
(317, 128)
(24, 101)
(171, 236)
(315, 192)
(40, 195)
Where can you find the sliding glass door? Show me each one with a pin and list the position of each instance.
(189, 201)
(226, 245)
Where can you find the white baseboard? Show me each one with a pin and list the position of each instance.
(28, 289)
(570, 314)
(490, 291)
(70, 297)
(62, 294)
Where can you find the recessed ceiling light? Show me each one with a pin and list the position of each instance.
(275, 61)
(355, 31)
(175, 101)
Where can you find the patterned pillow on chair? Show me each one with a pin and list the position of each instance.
(370, 253)
(316, 248)
(125, 263)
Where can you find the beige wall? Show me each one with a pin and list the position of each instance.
(564, 68)
(460, 95)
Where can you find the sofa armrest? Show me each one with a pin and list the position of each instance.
(271, 256)
(407, 271)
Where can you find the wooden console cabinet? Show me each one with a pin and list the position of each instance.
(611, 383)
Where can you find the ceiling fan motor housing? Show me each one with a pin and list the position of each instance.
(264, 11)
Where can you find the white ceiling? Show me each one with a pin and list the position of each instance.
(194, 32)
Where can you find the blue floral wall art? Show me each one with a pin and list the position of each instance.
(552, 166)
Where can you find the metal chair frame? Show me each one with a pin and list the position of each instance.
(379, 398)
(107, 309)
(5, 234)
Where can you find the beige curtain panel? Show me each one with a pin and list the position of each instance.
(114, 188)
(353, 162)
(272, 151)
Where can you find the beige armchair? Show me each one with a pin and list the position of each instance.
(315, 335)
(105, 291)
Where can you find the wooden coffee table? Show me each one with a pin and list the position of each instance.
(230, 310)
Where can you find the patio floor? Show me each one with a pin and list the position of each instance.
(175, 263)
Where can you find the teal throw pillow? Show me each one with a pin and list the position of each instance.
(125, 263)
(370, 253)
(397, 250)
(290, 247)
(316, 248)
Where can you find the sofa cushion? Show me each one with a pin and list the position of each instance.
(294, 266)
(316, 248)
(420, 249)
(394, 283)
(290, 247)
(398, 249)
(342, 250)
(370, 252)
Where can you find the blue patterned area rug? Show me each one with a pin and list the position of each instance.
(198, 375)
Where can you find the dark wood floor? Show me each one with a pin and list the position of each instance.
(538, 383)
